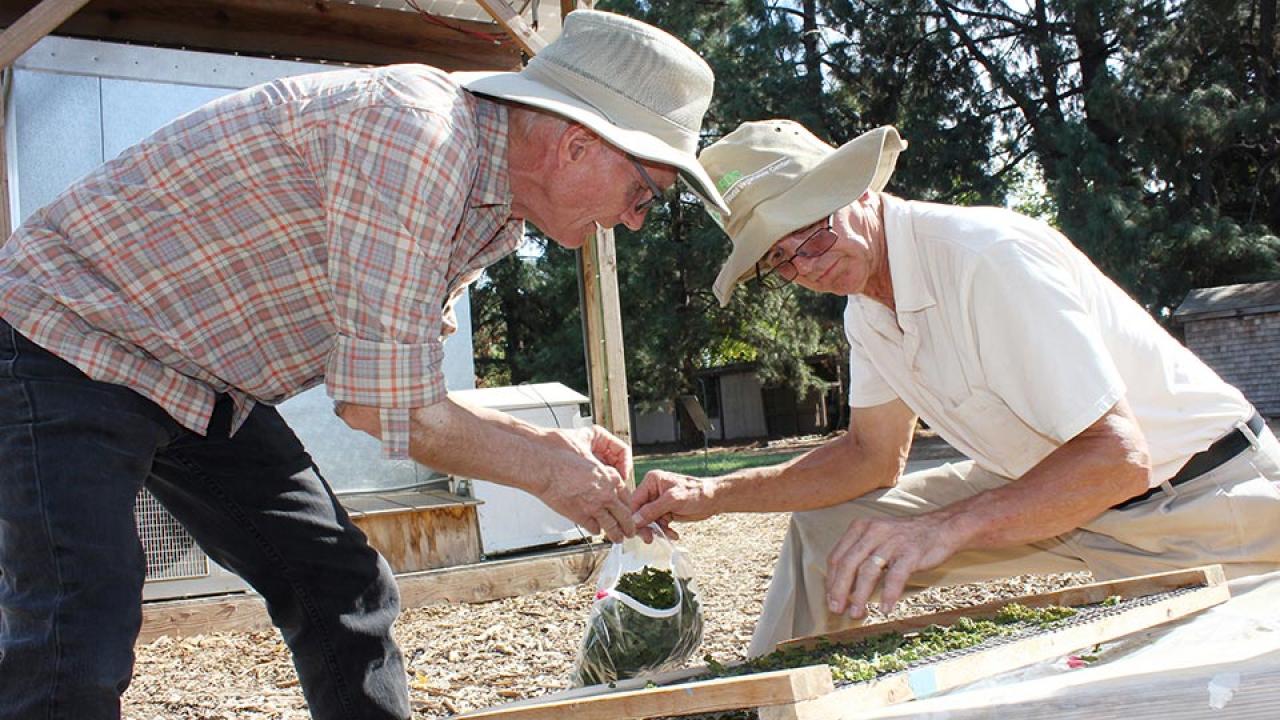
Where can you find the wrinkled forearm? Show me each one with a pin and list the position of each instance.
(833, 473)
(1102, 466)
(477, 442)
(471, 441)
(871, 455)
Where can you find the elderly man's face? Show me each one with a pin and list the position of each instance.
(833, 255)
(603, 186)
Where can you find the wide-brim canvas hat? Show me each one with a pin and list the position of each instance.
(777, 177)
(639, 88)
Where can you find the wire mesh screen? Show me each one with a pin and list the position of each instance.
(171, 552)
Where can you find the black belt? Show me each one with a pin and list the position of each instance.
(1227, 447)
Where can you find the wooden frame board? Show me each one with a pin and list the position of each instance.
(771, 688)
(778, 695)
(932, 678)
(321, 30)
(481, 582)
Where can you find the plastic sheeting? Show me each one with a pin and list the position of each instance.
(1220, 663)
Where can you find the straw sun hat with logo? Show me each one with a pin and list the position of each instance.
(636, 86)
(777, 177)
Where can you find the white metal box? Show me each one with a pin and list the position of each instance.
(512, 520)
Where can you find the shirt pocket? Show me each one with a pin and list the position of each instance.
(999, 438)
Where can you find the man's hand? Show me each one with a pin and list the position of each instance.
(594, 494)
(666, 496)
(597, 502)
(595, 441)
(883, 552)
(578, 473)
(1105, 463)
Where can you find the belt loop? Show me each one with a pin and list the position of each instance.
(1168, 489)
(1249, 434)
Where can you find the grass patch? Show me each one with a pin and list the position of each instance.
(716, 463)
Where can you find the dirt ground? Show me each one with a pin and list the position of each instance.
(464, 657)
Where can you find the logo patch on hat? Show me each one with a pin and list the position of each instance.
(732, 183)
(728, 179)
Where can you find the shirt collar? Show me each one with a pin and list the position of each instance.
(493, 184)
(911, 292)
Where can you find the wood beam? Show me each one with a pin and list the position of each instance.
(481, 582)
(602, 334)
(986, 661)
(32, 25)
(592, 332)
(748, 691)
(306, 29)
(525, 36)
(678, 693)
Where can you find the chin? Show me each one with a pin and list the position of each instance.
(572, 244)
(579, 239)
(566, 238)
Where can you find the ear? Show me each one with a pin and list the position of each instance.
(576, 144)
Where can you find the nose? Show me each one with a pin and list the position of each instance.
(804, 263)
(632, 219)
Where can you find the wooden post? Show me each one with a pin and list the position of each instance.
(525, 36)
(35, 24)
(602, 331)
(605, 260)
(592, 331)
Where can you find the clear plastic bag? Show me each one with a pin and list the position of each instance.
(627, 638)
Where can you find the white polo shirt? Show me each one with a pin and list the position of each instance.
(1009, 342)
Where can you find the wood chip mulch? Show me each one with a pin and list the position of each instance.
(465, 657)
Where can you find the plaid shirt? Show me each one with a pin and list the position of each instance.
(313, 229)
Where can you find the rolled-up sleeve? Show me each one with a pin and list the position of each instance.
(397, 181)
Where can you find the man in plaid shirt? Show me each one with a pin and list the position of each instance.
(315, 229)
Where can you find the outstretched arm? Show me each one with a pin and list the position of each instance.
(578, 473)
(870, 456)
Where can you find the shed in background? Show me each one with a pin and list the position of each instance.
(1235, 329)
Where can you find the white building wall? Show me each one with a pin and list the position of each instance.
(649, 428)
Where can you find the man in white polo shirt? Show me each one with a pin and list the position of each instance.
(1096, 441)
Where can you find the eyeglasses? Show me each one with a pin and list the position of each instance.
(773, 272)
(656, 195)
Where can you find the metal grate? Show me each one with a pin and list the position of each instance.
(1087, 613)
(171, 552)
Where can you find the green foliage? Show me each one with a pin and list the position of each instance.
(650, 586)
(622, 642)
(1154, 125)
(525, 318)
(889, 652)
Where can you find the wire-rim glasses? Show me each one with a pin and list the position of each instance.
(773, 273)
(656, 195)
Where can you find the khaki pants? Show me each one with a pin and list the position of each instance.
(1230, 515)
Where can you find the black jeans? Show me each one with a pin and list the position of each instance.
(74, 453)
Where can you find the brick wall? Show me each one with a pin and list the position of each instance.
(1244, 351)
